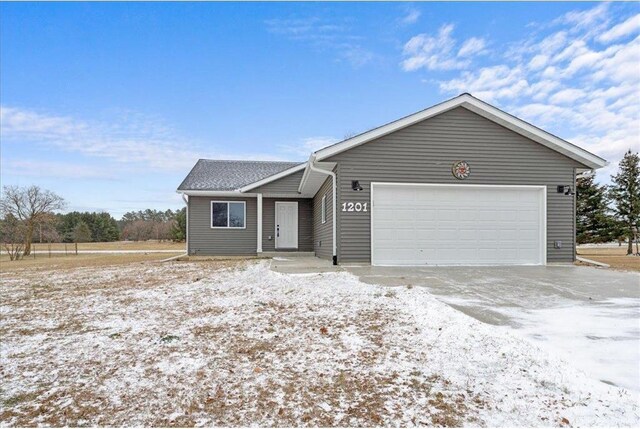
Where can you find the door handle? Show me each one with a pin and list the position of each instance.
(277, 230)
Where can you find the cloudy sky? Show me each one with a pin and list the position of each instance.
(110, 105)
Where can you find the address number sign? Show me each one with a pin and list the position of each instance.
(350, 206)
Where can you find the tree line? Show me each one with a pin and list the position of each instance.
(28, 216)
(606, 213)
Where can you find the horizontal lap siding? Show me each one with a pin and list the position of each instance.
(206, 241)
(425, 152)
(305, 223)
(323, 232)
(287, 184)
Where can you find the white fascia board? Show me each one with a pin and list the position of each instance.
(305, 175)
(477, 106)
(534, 133)
(270, 179)
(198, 193)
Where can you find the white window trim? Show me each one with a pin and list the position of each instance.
(323, 209)
(244, 205)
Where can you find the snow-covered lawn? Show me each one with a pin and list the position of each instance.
(203, 344)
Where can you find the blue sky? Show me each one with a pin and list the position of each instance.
(110, 104)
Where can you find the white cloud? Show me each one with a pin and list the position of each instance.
(57, 170)
(323, 35)
(472, 46)
(588, 18)
(566, 96)
(538, 62)
(577, 77)
(132, 141)
(129, 140)
(630, 26)
(489, 83)
(432, 52)
(411, 17)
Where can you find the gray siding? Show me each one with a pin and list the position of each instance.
(203, 240)
(425, 152)
(323, 232)
(305, 223)
(287, 184)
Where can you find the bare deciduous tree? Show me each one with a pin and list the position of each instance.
(12, 232)
(28, 205)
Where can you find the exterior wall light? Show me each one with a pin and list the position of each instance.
(355, 185)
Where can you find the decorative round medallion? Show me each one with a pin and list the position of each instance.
(460, 170)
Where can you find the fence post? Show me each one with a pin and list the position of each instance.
(65, 249)
(49, 250)
(76, 249)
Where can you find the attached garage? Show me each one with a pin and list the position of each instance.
(433, 224)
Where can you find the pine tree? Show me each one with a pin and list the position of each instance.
(179, 229)
(594, 223)
(625, 194)
(82, 233)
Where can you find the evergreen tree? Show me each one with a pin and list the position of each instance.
(81, 233)
(179, 229)
(594, 224)
(625, 194)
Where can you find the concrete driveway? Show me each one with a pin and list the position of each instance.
(589, 316)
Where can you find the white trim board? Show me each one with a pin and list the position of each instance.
(228, 203)
(481, 108)
(543, 208)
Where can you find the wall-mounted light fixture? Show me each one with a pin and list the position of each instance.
(355, 185)
(565, 189)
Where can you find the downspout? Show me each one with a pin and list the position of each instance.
(312, 167)
(186, 238)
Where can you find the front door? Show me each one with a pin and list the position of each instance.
(286, 225)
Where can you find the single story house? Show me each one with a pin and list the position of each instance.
(460, 183)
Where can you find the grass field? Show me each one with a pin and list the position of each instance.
(61, 261)
(113, 245)
(614, 256)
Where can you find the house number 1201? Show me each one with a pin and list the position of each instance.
(355, 207)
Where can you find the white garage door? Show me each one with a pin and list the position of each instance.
(457, 225)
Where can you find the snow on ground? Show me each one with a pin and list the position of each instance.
(601, 338)
(199, 344)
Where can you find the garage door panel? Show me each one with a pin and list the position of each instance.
(445, 225)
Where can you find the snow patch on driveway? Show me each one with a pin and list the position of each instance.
(184, 344)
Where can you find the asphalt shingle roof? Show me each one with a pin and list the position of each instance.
(221, 175)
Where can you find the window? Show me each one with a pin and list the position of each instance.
(323, 209)
(228, 214)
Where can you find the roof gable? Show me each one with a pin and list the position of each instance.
(481, 108)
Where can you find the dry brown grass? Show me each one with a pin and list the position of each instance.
(58, 261)
(267, 361)
(616, 257)
(113, 245)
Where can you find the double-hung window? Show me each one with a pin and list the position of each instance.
(323, 208)
(228, 214)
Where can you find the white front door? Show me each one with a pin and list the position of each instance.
(286, 225)
(416, 224)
